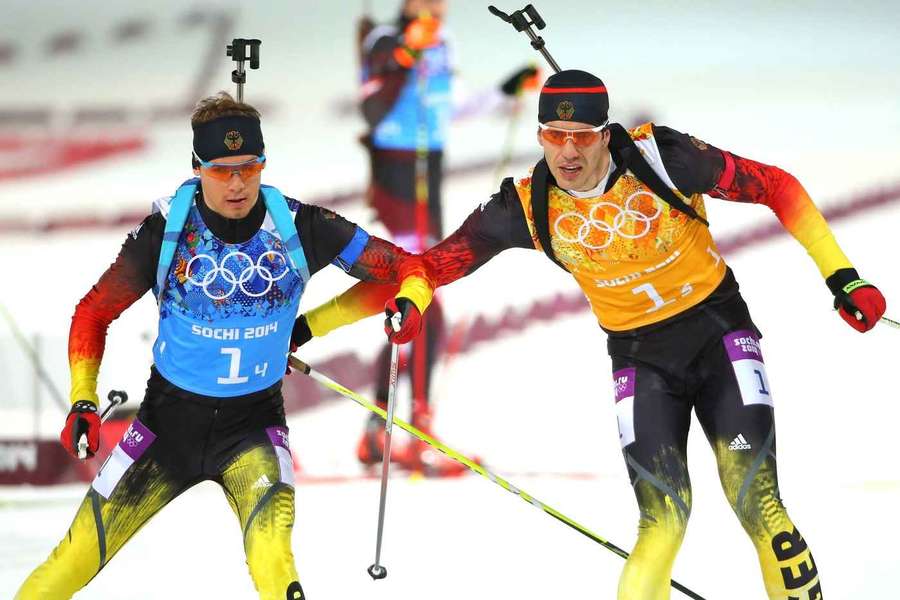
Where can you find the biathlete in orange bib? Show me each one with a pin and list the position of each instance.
(623, 212)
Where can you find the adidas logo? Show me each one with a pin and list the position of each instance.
(262, 482)
(739, 443)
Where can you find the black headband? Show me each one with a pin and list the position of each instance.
(228, 136)
(574, 95)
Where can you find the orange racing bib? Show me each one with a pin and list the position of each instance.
(638, 260)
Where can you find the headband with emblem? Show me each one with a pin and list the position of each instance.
(228, 136)
(574, 95)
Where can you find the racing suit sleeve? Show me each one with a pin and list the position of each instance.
(120, 286)
(697, 167)
(493, 227)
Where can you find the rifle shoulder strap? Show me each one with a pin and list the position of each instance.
(637, 164)
(540, 179)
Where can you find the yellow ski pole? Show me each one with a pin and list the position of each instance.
(298, 364)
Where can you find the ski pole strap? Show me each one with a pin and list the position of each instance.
(298, 364)
(637, 164)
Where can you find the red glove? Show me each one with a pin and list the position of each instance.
(82, 419)
(421, 33)
(858, 301)
(523, 79)
(410, 320)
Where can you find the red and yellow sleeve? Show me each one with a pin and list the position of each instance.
(119, 287)
(367, 298)
(745, 180)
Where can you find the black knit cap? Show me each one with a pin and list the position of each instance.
(574, 95)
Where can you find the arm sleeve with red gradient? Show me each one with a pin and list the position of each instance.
(123, 283)
(758, 183)
(493, 227)
(697, 167)
(385, 270)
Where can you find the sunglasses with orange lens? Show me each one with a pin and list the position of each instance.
(224, 171)
(580, 137)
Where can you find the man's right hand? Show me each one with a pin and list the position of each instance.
(83, 419)
(410, 320)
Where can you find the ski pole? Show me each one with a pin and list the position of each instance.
(520, 20)
(116, 398)
(891, 322)
(515, 114)
(377, 570)
(885, 320)
(32, 355)
(323, 379)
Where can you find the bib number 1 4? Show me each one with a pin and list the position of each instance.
(234, 368)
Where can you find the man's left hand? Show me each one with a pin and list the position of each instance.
(858, 301)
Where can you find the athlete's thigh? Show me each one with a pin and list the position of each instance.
(654, 417)
(735, 409)
(259, 477)
(259, 485)
(134, 483)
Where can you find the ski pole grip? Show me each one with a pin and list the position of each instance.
(298, 364)
(116, 398)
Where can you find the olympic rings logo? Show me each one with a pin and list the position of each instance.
(248, 272)
(639, 222)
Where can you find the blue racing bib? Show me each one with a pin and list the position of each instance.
(226, 311)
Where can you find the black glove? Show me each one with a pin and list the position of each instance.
(517, 80)
(300, 334)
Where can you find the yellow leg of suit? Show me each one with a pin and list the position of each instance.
(100, 529)
(751, 486)
(264, 505)
(665, 503)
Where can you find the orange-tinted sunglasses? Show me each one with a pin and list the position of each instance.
(224, 172)
(580, 137)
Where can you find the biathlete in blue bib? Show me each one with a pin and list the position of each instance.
(228, 260)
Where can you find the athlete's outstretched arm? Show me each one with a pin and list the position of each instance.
(384, 271)
(493, 227)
